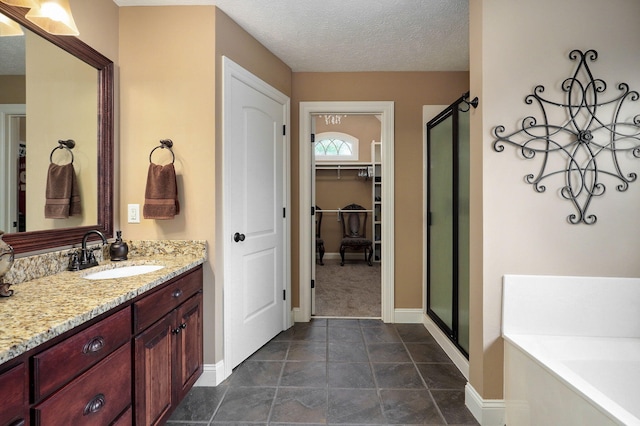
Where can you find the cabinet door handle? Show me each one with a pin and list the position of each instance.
(94, 345)
(177, 293)
(179, 328)
(94, 405)
(19, 422)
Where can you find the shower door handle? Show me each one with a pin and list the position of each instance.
(237, 237)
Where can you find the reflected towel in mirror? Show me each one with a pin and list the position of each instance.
(161, 193)
(62, 192)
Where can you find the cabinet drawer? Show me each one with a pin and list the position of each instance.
(64, 361)
(13, 408)
(125, 419)
(153, 307)
(97, 397)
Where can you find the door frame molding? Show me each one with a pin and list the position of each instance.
(386, 110)
(224, 239)
(9, 167)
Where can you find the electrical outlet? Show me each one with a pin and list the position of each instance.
(133, 213)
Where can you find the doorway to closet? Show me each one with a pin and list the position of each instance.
(341, 183)
(348, 174)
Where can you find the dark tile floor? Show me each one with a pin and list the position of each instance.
(337, 371)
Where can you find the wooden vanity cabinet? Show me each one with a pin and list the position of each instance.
(131, 366)
(97, 397)
(168, 347)
(85, 378)
(59, 364)
(14, 408)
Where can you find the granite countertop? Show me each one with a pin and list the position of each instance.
(44, 308)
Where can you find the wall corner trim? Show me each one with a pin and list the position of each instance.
(212, 375)
(488, 412)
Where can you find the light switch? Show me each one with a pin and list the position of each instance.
(133, 213)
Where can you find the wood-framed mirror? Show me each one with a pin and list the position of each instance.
(61, 235)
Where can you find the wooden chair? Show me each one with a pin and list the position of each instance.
(354, 232)
(319, 240)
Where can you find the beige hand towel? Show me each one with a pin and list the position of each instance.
(62, 193)
(161, 193)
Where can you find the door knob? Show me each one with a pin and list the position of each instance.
(238, 237)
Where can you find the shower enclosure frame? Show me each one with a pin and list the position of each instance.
(450, 328)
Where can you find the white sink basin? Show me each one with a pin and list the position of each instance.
(123, 271)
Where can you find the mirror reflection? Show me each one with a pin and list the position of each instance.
(46, 95)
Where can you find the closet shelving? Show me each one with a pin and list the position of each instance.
(364, 169)
(371, 170)
(376, 234)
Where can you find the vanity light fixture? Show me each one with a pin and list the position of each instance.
(21, 3)
(53, 16)
(9, 27)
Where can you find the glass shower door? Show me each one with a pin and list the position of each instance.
(441, 222)
(448, 227)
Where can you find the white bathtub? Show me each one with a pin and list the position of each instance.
(572, 351)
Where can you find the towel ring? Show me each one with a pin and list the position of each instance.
(68, 145)
(164, 143)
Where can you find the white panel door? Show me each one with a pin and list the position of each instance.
(254, 225)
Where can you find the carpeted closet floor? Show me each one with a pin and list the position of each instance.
(352, 290)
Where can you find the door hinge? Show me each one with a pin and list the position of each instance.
(284, 130)
(313, 138)
(313, 283)
(313, 210)
(284, 212)
(284, 294)
(429, 219)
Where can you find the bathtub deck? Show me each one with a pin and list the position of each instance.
(602, 371)
(572, 350)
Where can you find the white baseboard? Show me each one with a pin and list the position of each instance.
(212, 375)
(488, 412)
(297, 316)
(407, 316)
(452, 351)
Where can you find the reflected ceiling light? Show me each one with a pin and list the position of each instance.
(333, 118)
(53, 16)
(9, 27)
(21, 3)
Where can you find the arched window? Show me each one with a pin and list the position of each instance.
(336, 146)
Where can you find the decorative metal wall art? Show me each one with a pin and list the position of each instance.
(590, 147)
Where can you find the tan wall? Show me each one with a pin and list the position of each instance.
(12, 89)
(236, 44)
(409, 91)
(97, 21)
(525, 232)
(171, 88)
(168, 91)
(366, 128)
(62, 100)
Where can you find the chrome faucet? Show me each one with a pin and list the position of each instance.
(87, 258)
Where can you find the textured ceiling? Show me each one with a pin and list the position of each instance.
(12, 55)
(338, 35)
(352, 35)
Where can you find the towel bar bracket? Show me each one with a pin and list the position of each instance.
(164, 143)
